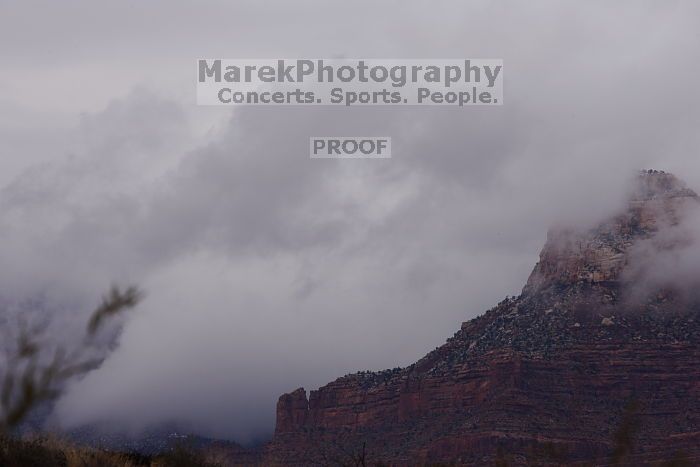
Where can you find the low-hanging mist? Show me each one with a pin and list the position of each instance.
(265, 270)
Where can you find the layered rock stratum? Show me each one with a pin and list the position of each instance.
(597, 362)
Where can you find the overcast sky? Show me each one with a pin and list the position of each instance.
(265, 270)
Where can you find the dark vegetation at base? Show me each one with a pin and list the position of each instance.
(40, 452)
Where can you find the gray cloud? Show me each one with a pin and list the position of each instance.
(669, 261)
(266, 270)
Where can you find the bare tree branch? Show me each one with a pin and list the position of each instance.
(28, 381)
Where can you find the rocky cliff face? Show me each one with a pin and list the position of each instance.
(659, 201)
(575, 369)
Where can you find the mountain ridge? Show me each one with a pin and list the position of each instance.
(553, 375)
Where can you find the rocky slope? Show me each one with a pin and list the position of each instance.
(585, 366)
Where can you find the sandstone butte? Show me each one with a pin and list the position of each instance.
(597, 362)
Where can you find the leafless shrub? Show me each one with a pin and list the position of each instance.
(33, 372)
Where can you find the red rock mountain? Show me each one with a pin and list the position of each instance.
(597, 362)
